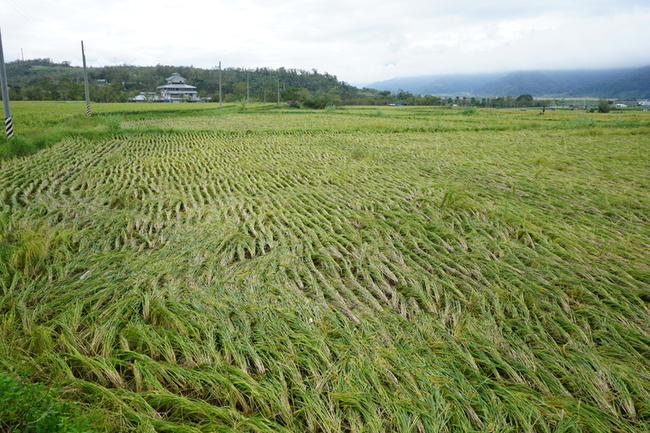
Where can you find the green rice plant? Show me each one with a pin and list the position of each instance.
(582, 122)
(299, 271)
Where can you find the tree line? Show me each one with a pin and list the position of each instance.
(42, 79)
(45, 80)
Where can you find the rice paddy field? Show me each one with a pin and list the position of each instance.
(187, 268)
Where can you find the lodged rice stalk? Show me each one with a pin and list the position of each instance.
(490, 276)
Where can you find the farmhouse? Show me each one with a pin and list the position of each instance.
(177, 91)
(174, 91)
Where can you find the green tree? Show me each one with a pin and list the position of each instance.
(69, 90)
(296, 96)
(42, 90)
(525, 100)
(15, 93)
(238, 91)
(603, 106)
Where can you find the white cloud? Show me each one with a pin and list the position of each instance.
(359, 41)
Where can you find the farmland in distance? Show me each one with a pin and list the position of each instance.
(368, 269)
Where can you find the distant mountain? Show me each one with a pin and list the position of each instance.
(633, 85)
(624, 83)
(437, 84)
(459, 84)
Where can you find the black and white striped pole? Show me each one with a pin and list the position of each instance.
(86, 87)
(9, 127)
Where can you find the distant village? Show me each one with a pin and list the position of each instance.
(174, 91)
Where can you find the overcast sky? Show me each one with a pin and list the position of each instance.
(359, 41)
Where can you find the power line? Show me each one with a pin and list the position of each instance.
(26, 15)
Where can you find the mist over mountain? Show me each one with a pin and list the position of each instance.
(623, 83)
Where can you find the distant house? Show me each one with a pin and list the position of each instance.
(643, 103)
(145, 97)
(174, 91)
(620, 106)
(177, 91)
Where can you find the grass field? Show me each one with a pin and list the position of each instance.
(184, 268)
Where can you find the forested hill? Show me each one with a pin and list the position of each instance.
(42, 79)
(629, 83)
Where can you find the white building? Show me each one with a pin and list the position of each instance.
(145, 97)
(177, 91)
(174, 91)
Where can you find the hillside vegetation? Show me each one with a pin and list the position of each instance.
(44, 80)
(195, 269)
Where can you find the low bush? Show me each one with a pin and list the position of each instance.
(16, 146)
(35, 409)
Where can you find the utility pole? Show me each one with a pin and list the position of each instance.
(220, 99)
(86, 87)
(9, 127)
(278, 92)
(248, 86)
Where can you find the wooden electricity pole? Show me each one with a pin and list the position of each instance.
(86, 87)
(9, 127)
(220, 99)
